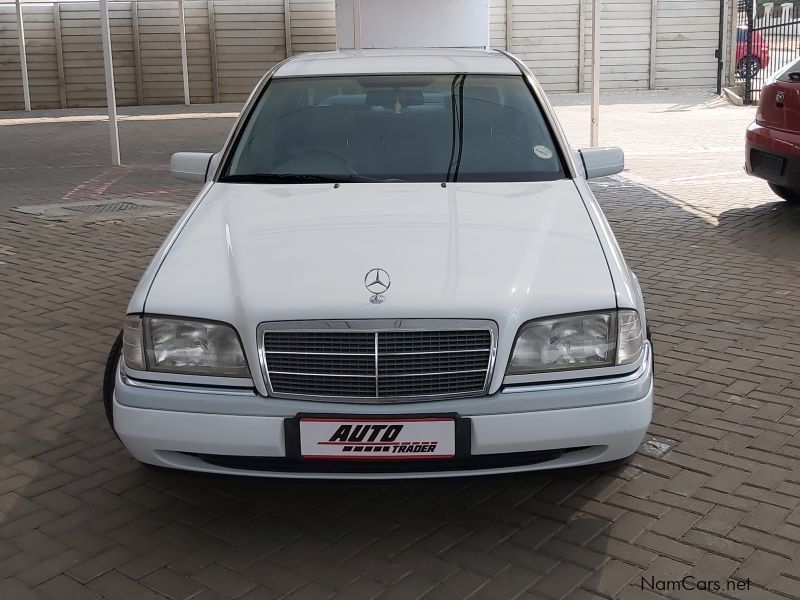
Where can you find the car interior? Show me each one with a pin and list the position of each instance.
(476, 132)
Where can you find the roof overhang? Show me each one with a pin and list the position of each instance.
(412, 24)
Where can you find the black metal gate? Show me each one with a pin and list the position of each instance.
(767, 39)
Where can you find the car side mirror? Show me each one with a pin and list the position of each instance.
(190, 166)
(601, 162)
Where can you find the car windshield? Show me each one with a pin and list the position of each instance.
(417, 128)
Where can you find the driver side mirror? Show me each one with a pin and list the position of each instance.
(191, 166)
(601, 162)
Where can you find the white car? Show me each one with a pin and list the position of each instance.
(395, 268)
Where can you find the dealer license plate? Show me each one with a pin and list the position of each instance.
(377, 439)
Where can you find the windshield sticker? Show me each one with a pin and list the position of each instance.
(543, 152)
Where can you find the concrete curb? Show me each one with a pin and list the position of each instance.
(732, 96)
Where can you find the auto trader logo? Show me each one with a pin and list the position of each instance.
(377, 438)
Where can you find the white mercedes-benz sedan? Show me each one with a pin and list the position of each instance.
(395, 268)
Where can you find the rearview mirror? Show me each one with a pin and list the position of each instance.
(601, 162)
(190, 166)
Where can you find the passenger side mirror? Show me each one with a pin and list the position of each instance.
(213, 164)
(601, 162)
(190, 166)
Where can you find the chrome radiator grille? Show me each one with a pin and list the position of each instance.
(377, 361)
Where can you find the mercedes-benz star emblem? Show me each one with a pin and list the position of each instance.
(377, 281)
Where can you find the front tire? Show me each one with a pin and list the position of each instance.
(786, 193)
(109, 380)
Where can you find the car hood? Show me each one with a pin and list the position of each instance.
(509, 252)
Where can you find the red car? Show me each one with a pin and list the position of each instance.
(773, 139)
(755, 60)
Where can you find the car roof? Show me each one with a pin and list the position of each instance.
(399, 61)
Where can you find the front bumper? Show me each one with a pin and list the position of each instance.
(516, 429)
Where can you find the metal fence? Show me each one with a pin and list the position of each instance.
(768, 38)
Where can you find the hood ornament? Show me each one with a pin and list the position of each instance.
(377, 282)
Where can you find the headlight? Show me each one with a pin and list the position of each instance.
(183, 346)
(581, 341)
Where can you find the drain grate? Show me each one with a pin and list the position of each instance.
(100, 209)
(657, 449)
(112, 207)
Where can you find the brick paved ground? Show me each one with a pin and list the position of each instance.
(719, 260)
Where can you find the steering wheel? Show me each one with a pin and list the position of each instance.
(329, 154)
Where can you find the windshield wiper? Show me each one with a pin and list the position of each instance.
(300, 178)
(282, 178)
(457, 149)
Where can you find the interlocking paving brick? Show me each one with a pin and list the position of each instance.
(761, 567)
(462, 584)
(675, 522)
(145, 564)
(720, 520)
(312, 591)
(764, 541)
(507, 584)
(718, 259)
(562, 580)
(785, 586)
(628, 553)
(612, 579)
(47, 568)
(11, 588)
(100, 564)
(767, 518)
(117, 586)
(718, 545)
(171, 584)
(62, 587)
(227, 582)
(362, 588)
